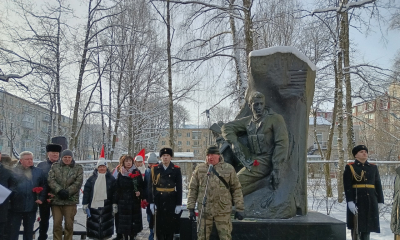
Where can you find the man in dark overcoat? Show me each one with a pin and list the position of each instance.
(363, 189)
(53, 155)
(165, 196)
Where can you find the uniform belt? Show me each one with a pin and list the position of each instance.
(165, 189)
(363, 186)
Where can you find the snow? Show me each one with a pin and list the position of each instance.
(283, 49)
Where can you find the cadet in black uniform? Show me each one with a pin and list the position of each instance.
(166, 197)
(363, 190)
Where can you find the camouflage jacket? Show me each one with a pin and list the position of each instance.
(69, 177)
(395, 218)
(219, 198)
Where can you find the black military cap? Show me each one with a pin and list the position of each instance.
(212, 150)
(166, 151)
(52, 147)
(358, 148)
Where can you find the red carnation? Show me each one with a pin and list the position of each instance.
(48, 200)
(197, 214)
(256, 163)
(144, 204)
(38, 219)
(37, 190)
(131, 175)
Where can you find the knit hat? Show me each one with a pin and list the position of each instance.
(101, 162)
(152, 158)
(358, 148)
(67, 152)
(139, 158)
(167, 151)
(212, 150)
(52, 147)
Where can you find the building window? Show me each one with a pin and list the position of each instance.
(196, 143)
(187, 150)
(162, 142)
(179, 134)
(188, 143)
(196, 135)
(187, 134)
(196, 151)
(179, 143)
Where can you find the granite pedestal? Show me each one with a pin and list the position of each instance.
(313, 226)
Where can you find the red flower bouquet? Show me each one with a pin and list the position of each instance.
(37, 190)
(134, 179)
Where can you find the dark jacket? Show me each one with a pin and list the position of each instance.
(365, 198)
(46, 166)
(68, 177)
(166, 201)
(7, 180)
(129, 209)
(146, 188)
(101, 223)
(23, 198)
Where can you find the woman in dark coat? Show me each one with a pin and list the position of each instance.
(98, 195)
(128, 197)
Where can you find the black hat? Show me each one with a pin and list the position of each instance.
(358, 148)
(52, 147)
(166, 151)
(212, 150)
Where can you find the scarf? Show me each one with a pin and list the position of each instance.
(100, 191)
(125, 172)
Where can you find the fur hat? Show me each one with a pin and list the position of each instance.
(139, 158)
(152, 158)
(101, 162)
(166, 150)
(52, 147)
(212, 150)
(6, 160)
(67, 152)
(358, 148)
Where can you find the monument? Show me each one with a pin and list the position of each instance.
(266, 144)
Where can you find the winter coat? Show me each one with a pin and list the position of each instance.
(365, 198)
(7, 180)
(219, 198)
(23, 198)
(46, 166)
(101, 223)
(129, 208)
(166, 201)
(68, 177)
(147, 181)
(395, 219)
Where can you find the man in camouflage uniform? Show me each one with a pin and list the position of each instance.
(65, 181)
(222, 191)
(268, 142)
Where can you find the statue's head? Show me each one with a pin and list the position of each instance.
(257, 104)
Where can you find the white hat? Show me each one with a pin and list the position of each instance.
(101, 162)
(139, 158)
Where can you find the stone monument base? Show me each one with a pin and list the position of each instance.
(313, 226)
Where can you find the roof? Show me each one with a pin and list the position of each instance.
(320, 121)
(191, 126)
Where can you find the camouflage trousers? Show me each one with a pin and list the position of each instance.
(223, 224)
(250, 180)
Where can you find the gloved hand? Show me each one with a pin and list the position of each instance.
(192, 215)
(352, 207)
(84, 208)
(115, 209)
(239, 215)
(380, 206)
(153, 207)
(178, 209)
(63, 194)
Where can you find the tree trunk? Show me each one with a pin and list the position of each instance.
(349, 106)
(58, 60)
(240, 79)
(74, 134)
(248, 26)
(171, 104)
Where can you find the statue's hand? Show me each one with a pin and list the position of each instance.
(275, 178)
(236, 150)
